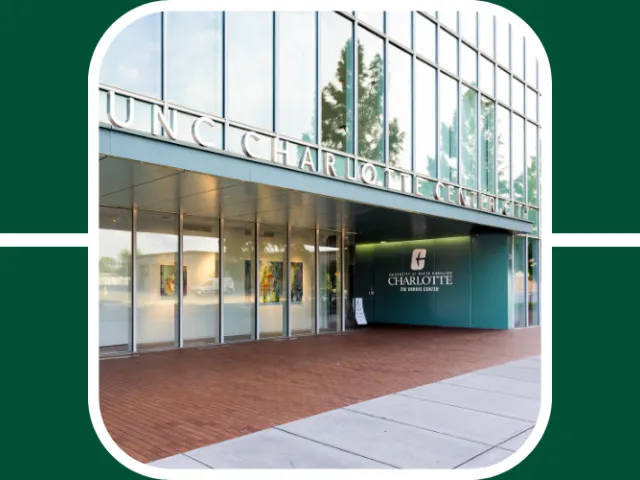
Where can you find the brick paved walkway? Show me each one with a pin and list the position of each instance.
(160, 404)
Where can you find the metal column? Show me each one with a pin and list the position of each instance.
(179, 340)
(221, 282)
(287, 276)
(134, 277)
(256, 280)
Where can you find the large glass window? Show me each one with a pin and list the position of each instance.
(503, 153)
(297, 79)
(468, 65)
(115, 280)
(250, 37)
(533, 303)
(532, 104)
(425, 37)
(272, 291)
(200, 257)
(502, 41)
(503, 87)
(425, 110)
(531, 72)
(399, 27)
(193, 68)
(468, 28)
(448, 128)
(517, 95)
(303, 283)
(519, 279)
(375, 19)
(336, 67)
(469, 154)
(399, 64)
(517, 158)
(370, 96)
(448, 52)
(157, 279)
(329, 281)
(532, 163)
(517, 53)
(239, 272)
(486, 33)
(133, 60)
(449, 18)
(487, 145)
(487, 76)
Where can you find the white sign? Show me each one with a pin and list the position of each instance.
(359, 309)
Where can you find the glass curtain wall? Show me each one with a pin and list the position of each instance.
(272, 294)
(303, 286)
(329, 281)
(519, 280)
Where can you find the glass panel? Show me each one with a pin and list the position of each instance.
(303, 281)
(133, 59)
(272, 293)
(469, 158)
(297, 82)
(486, 33)
(449, 18)
(399, 27)
(448, 53)
(193, 71)
(250, 48)
(532, 104)
(468, 65)
(503, 154)
(349, 277)
(468, 28)
(533, 217)
(487, 145)
(370, 96)
(519, 260)
(240, 268)
(115, 280)
(375, 19)
(532, 163)
(517, 159)
(534, 313)
(503, 87)
(425, 105)
(448, 128)
(487, 76)
(157, 279)
(517, 53)
(329, 283)
(336, 67)
(399, 65)
(200, 256)
(502, 41)
(517, 95)
(531, 71)
(425, 37)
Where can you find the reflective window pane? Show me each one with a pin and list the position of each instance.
(503, 86)
(519, 261)
(303, 283)
(297, 81)
(532, 163)
(425, 37)
(449, 18)
(329, 281)
(399, 27)
(250, 37)
(468, 65)
(503, 152)
(193, 69)
(375, 19)
(448, 128)
(487, 76)
(370, 96)
(272, 291)
(200, 256)
(532, 286)
(133, 60)
(425, 111)
(502, 41)
(486, 33)
(517, 95)
(517, 157)
(469, 154)
(157, 279)
(336, 67)
(517, 53)
(468, 29)
(487, 145)
(532, 104)
(115, 280)
(448, 52)
(239, 272)
(399, 64)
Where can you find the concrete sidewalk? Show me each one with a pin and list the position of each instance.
(469, 421)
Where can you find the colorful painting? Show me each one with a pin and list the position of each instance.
(270, 282)
(248, 290)
(168, 281)
(296, 282)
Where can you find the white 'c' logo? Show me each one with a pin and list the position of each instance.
(418, 259)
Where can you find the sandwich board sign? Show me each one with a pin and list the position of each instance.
(359, 311)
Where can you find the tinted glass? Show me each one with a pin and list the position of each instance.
(399, 85)
(517, 157)
(425, 111)
(532, 163)
(469, 138)
(503, 153)
(448, 128)
(487, 145)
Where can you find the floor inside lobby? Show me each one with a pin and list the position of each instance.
(159, 404)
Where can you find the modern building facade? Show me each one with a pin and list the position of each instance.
(259, 171)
